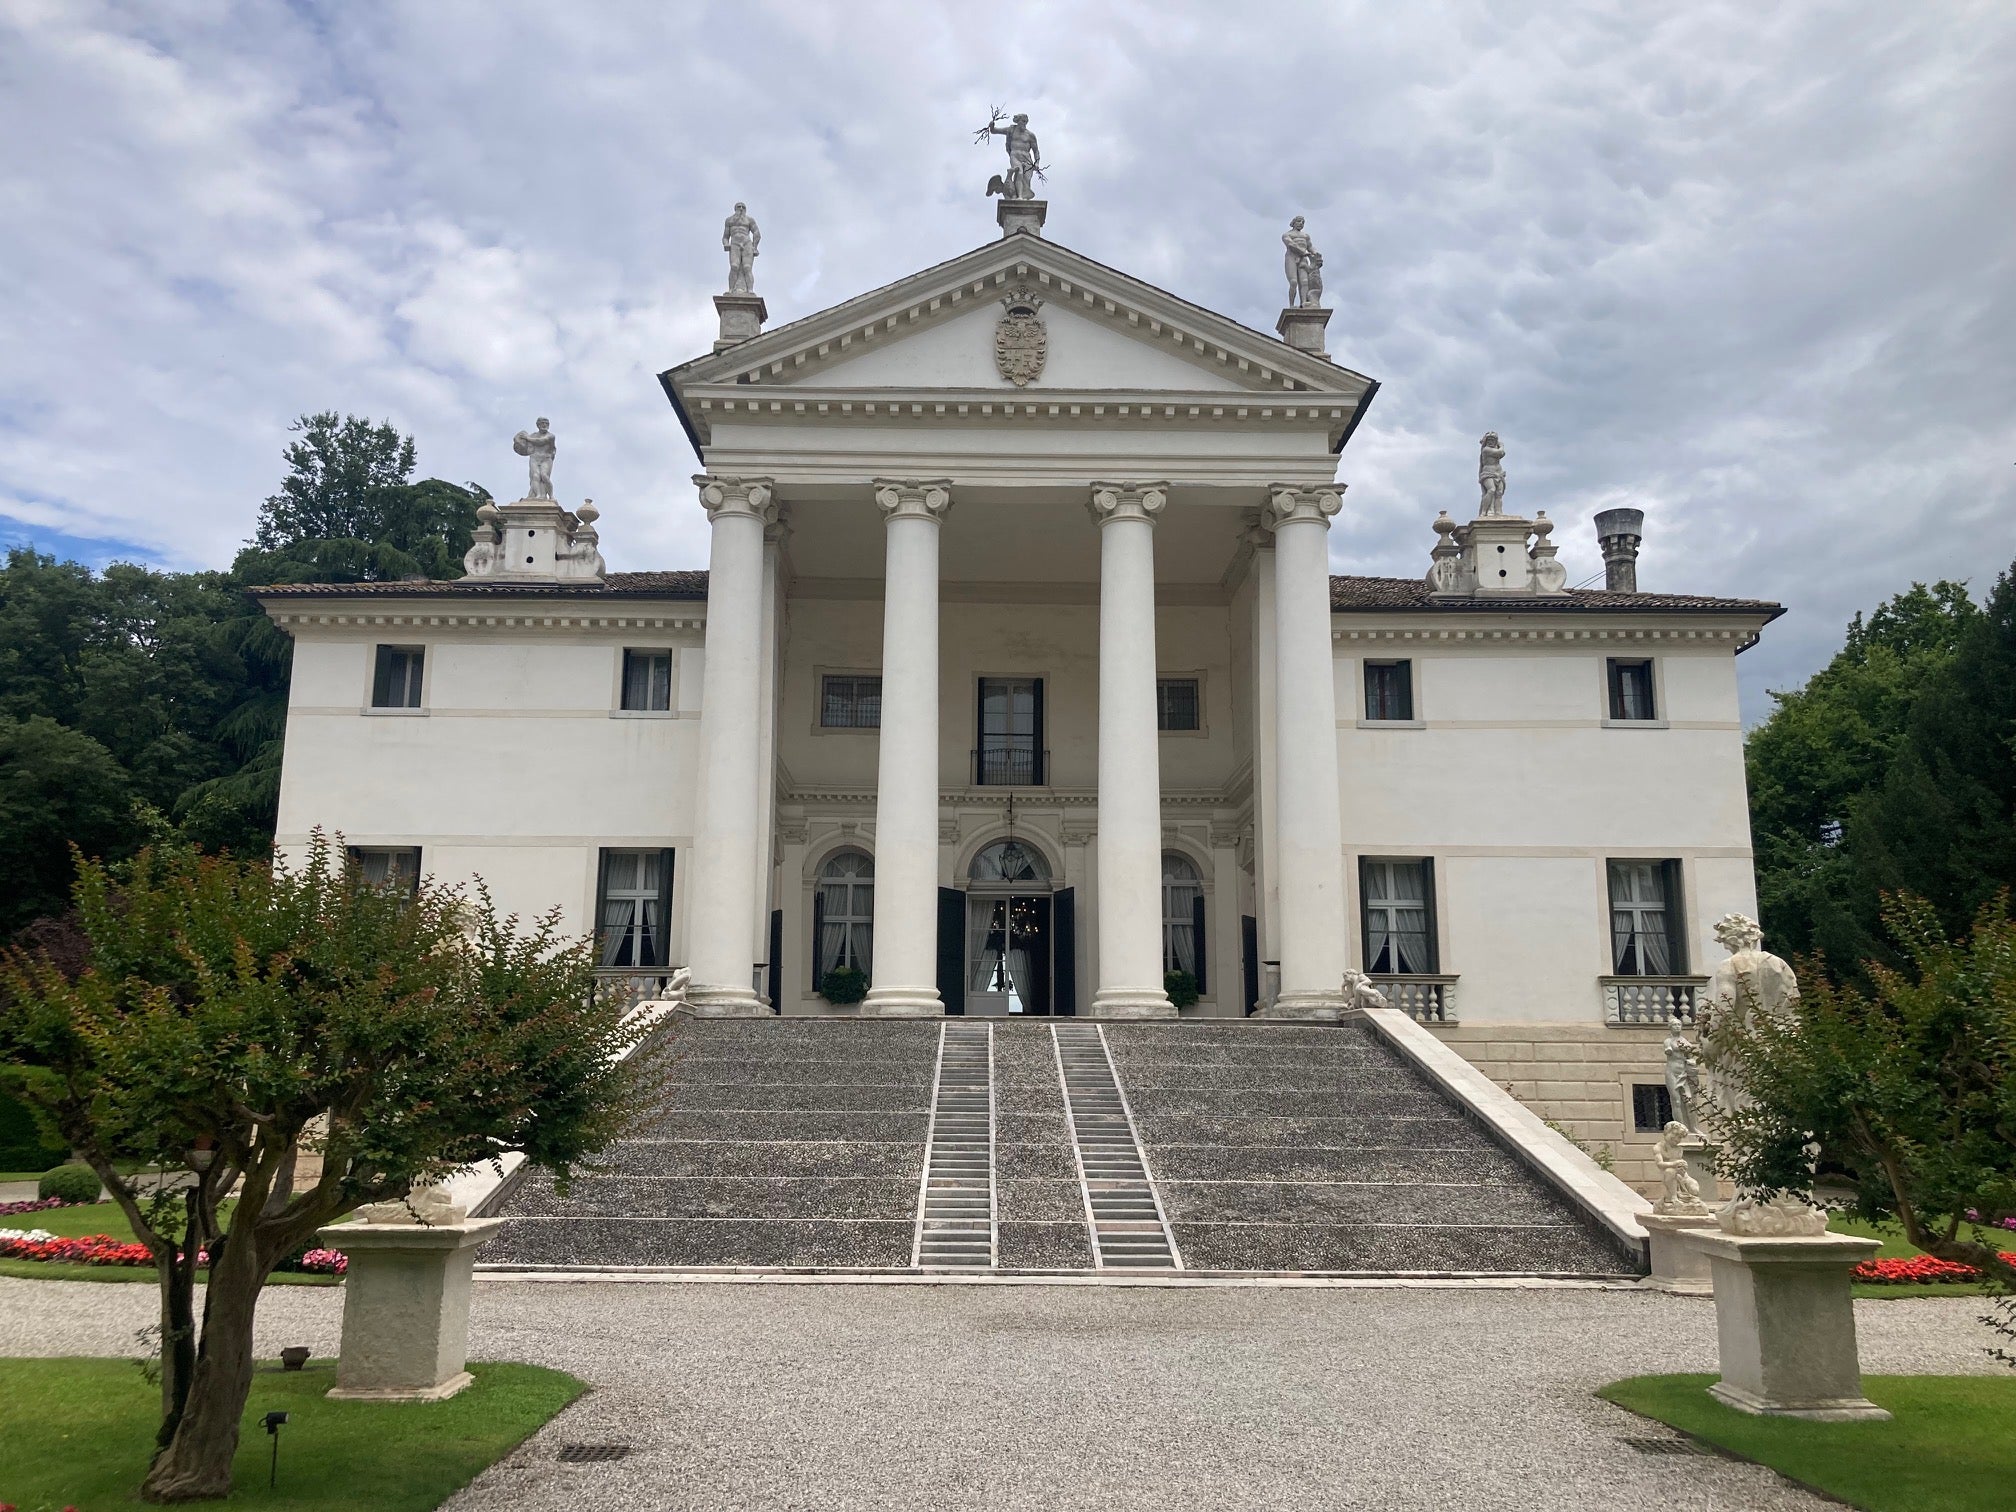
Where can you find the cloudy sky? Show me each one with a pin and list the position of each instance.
(1750, 266)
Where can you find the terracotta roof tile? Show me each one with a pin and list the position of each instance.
(1372, 595)
(657, 585)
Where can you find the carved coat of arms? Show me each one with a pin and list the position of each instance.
(1020, 340)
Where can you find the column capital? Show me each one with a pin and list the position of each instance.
(1127, 501)
(913, 498)
(1289, 505)
(752, 498)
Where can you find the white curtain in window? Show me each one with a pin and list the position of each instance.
(1638, 918)
(1396, 917)
(1181, 888)
(847, 913)
(988, 920)
(630, 922)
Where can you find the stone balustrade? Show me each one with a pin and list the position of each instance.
(1424, 998)
(1651, 1000)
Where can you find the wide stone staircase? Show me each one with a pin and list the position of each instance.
(968, 1146)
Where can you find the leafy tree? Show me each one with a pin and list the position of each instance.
(221, 1006)
(347, 512)
(58, 786)
(1909, 1085)
(1824, 751)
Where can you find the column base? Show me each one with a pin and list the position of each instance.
(1131, 1003)
(724, 1002)
(1306, 1007)
(902, 1003)
(1836, 1410)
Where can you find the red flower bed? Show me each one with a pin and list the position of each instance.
(103, 1249)
(1917, 1268)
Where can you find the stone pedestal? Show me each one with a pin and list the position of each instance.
(1303, 329)
(1701, 1166)
(1021, 215)
(1677, 1266)
(742, 317)
(406, 1308)
(1785, 1323)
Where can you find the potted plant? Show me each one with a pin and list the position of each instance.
(844, 985)
(1181, 987)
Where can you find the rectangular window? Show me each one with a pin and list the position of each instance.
(632, 906)
(1646, 937)
(1177, 705)
(1651, 1107)
(395, 682)
(1011, 733)
(850, 703)
(1389, 690)
(647, 680)
(396, 868)
(1631, 689)
(1397, 911)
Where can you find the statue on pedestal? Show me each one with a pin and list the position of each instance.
(1491, 475)
(1682, 1195)
(1303, 265)
(1025, 163)
(740, 238)
(538, 445)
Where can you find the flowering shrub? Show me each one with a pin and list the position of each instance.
(103, 1249)
(1915, 1268)
(8, 1209)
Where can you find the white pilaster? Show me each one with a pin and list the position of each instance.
(1130, 773)
(1310, 869)
(722, 883)
(766, 748)
(905, 968)
(1266, 738)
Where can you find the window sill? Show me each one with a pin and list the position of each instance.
(1182, 734)
(1392, 724)
(643, 713)
(376, 712)
(1635, 724)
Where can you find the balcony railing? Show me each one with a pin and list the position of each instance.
(632, 985)
(1010, 764)
(1424, 998)
(1651, 1000)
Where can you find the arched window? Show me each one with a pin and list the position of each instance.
(1010, 861)
(843, 916)
(1182, 918)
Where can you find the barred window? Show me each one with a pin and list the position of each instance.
(850, 703)
(1651, 1107)
(1177, 705)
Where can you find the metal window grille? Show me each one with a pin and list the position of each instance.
(850, 703)
(1177, 706)
(647, 680)
(1389, 690)
(1651, 1107)
(395, 681)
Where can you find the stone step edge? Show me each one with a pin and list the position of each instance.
(505, 1271)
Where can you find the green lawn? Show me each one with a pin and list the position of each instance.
(106, 1218)
(79, 1432)
(1949, 1447)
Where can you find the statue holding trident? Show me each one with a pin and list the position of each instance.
(1025, 164)
(537, 444)
(739, 239)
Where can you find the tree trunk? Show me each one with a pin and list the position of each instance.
(178, 1329)
(197, 1462)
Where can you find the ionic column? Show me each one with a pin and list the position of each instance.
(720, 929)
(905, 965)
(1130, 771)
(1308, 833)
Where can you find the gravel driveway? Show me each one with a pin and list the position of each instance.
(854, 1396)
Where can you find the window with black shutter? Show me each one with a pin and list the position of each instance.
(1389, 690)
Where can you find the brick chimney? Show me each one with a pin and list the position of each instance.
(1618, 532)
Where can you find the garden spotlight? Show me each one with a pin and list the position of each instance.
(273, 1420)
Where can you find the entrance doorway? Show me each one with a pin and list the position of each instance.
(1011, 940)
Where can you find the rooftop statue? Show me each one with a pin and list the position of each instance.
(740, 237)
(1491, 475)
(1304, 266)
(537, 444)
(1025, 161)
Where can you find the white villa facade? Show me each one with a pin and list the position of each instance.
(1019, 680)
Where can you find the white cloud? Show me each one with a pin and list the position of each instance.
(1751, 268)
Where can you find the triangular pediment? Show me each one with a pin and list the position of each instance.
(1105, 335)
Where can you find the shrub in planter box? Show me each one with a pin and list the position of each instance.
(1181, 987)
(844, 985)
